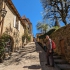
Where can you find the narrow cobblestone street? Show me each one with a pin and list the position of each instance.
(31, 57)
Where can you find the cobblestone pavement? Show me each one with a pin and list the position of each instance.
(31, 57)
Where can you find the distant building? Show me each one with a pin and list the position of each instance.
(37, 36)
(28, 26)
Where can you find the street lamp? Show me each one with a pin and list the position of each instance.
(3, 12)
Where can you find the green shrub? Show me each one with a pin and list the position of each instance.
(2, 45)
(4, 38)
(28, 38)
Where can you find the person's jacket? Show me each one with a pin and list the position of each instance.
(49, 44)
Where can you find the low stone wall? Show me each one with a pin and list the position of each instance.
(62, 40)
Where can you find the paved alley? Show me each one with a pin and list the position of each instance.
(30, 57)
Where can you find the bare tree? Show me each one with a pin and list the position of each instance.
(58, 8)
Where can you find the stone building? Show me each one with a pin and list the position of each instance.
(12, 24)
(28, 27)
(37, 37)
(62, 40)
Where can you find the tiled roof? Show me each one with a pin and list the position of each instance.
(27, 19)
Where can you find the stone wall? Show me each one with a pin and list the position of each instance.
(62, 40)
(8, 27)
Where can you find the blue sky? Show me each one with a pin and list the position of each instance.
(31, 9)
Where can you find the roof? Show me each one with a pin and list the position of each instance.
(39, 34)
(27, 19)
(24, 18)
(15, 10)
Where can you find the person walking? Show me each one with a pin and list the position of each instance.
(49, 51)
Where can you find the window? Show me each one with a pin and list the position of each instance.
(16, 25)
(14, 21)
(19, 25)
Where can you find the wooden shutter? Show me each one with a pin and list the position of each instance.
(19, 25)
(14, 21)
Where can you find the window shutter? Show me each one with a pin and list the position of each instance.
(19, 25)
(14, 21)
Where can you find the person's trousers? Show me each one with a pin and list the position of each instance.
(51, 57)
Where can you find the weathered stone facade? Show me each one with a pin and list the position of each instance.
(13, 25)
(62, 40)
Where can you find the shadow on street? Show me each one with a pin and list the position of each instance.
(42, 56)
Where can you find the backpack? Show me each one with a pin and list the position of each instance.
(53, 45)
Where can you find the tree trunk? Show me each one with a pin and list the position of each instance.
(64, 22)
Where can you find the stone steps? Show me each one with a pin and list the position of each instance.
(61, 63)
(57, 57)
(64, 66)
